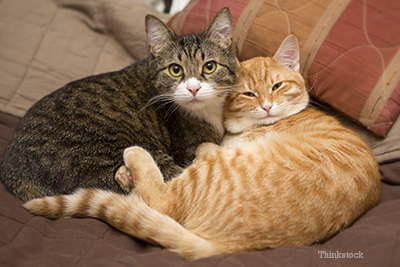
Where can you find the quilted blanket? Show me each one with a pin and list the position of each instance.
(28, 240)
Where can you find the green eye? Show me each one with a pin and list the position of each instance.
(276, 86)
(209, 67)
(249, 94)
(175, 70)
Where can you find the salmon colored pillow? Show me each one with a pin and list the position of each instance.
(350, 49)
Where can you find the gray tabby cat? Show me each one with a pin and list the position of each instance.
(168, 104)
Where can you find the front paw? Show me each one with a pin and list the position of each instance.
(124, 178)
(138, 161)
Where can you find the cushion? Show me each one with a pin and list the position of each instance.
(349, 50)
(46, 44)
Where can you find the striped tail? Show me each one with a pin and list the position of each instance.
(129, 214)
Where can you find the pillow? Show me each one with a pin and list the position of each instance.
(46, 44)
(349, 49)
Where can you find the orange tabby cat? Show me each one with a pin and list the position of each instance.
(284, 175)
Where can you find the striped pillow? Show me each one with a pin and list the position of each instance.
(350, 49)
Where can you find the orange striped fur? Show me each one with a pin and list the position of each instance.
(285, 175)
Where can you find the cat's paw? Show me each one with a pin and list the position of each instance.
(124, 178)
(206, 149)
(134, 155)
(138, 161)
(149, 182)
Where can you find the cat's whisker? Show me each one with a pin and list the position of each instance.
(230, 86)
(171, 110)
(168, 102)
(164, 104)
(313, 85)
(186, 114)
(153, 100)
(164, 99)
(312, 103)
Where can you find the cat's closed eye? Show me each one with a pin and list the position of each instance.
(276, 86)
(249, 94)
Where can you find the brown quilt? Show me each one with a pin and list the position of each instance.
(28, 240)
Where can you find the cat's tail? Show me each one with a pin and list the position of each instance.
(129, 214)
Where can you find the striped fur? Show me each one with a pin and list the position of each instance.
(297, 181)
(74, 137)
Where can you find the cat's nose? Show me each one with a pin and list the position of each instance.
(193, 89)
(267, 107)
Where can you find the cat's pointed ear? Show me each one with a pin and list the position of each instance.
(288, 53)
(220, 29)
(158, 34)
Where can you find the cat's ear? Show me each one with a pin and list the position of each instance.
(288, 53)
(220, 29)
(159, 35)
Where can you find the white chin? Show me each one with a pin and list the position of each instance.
(272, 120)
(194, 104)
(267, 121)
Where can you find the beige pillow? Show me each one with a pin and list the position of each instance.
(45, 44)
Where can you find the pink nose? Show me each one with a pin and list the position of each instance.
(267, 107)
(194, 89)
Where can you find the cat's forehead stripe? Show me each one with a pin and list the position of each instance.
(191, 46)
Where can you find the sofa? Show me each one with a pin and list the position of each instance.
(350, 54)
